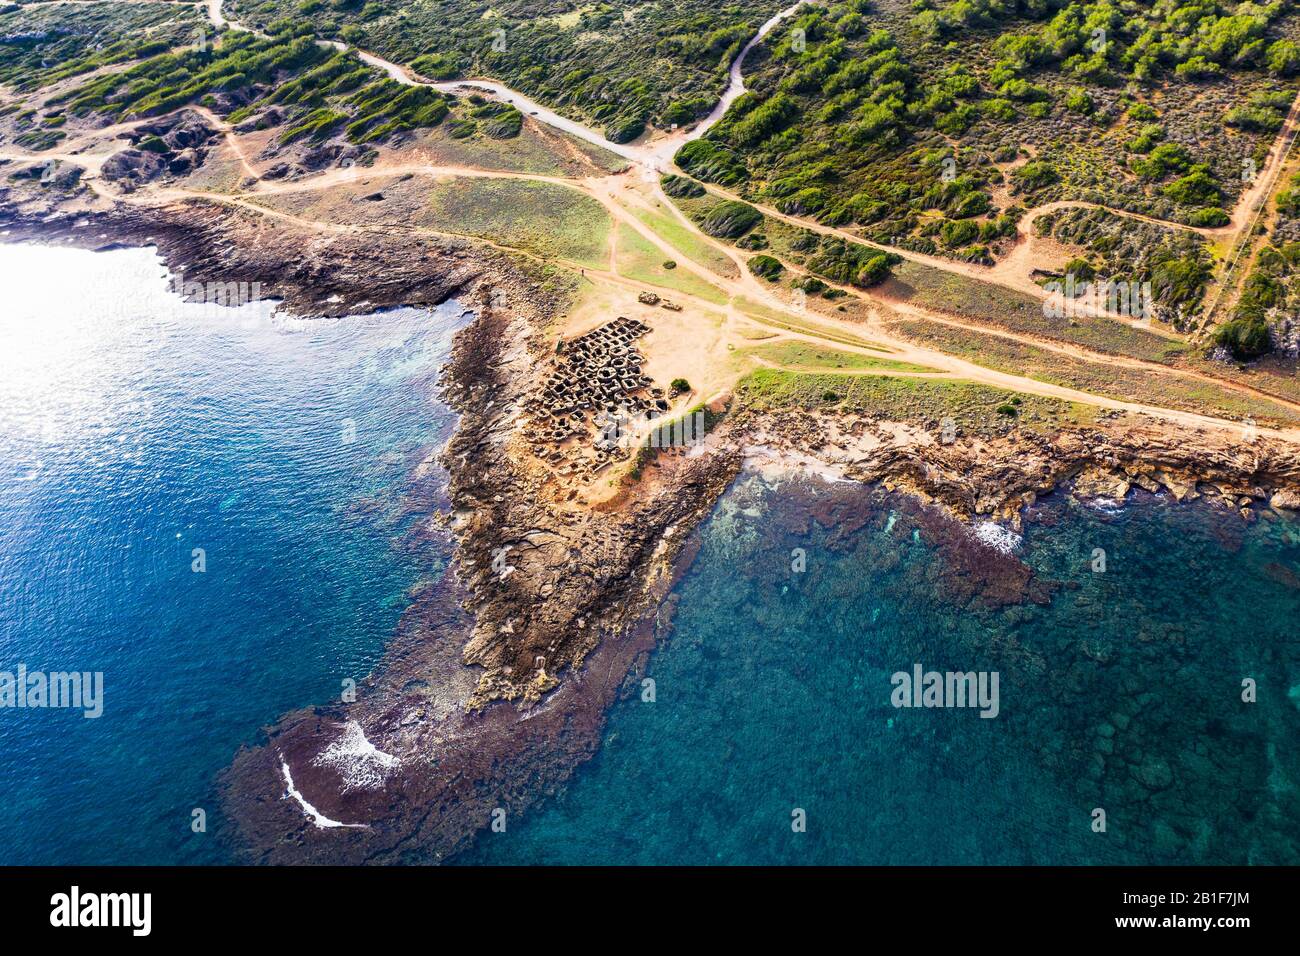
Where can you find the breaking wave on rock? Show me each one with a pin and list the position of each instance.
(361, 764)
(997, 537)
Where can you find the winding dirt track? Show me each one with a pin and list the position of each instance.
(607, 190)
(747, 286)
(616, 198)
(656, 153)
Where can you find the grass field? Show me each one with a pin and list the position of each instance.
(782, 320)
(1125, 384)
(671, 230)
(974, 407)
(541, 218)
(535, 150)
(984, 302)
(1274, 374)
(641, 260)
(802, 356)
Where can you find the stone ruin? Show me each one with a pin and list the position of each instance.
(650, 298)
(597, 375)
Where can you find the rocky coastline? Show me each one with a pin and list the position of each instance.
(498, 682)
(311, 276)
(998, 477)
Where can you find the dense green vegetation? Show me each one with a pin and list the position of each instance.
(240, 62)
(1116, 248)
(1265, 315)
(828, 258)
(41, 45)
(165, 56)
(624, 65)
(323, 91)
(1109, 41)
(931, 125)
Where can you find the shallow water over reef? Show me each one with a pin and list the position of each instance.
(1120, 690)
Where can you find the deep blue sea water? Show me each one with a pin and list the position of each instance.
(1122, 693)
(135, 428)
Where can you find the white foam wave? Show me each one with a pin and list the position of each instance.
(361, 764)
(997, 537)
(322, 822)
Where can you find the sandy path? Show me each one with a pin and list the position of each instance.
(1088, 355)
(612, 193)
(1032, 214)
(1250, 209)
(1245, 212)
(656, 154)
(745, 286)
(660, 152)
(606, 191)
(986, 274)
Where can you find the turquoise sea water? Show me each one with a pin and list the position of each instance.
(135, 428)
(1120, 690)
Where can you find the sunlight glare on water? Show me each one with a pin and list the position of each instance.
(136, 427)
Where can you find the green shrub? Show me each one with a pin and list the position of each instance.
(1245, 338)
(1209, 218)
(711, 162)
(730, 219)
(625, 129)
(875, 271)
(1036, 174)
(316, 126)
(810, 285)
(766, 267)
(1164, 159)
(1081, 269)
(681, 187)
(959, 232)
(1194, 189)
(437, 66)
